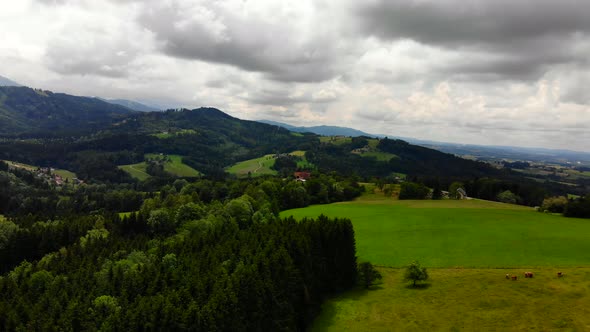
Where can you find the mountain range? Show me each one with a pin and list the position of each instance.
(322, 130)
(7, 82)
(133, 105)
(480, 152)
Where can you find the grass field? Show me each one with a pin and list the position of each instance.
(465, 300)
(256, 167)
(61, 172)
(174, 167)
(136, 170)
(164, 135)
(303, 163)
(65, 174)
(381, 156)
(263, 165)
(337, 140)
(469, 233)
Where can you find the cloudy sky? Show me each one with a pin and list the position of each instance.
(502, 72)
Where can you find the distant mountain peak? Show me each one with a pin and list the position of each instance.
(323, 130)
(132, 104)
(7, 82)
(213, 112)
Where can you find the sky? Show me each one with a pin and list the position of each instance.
(502, 72)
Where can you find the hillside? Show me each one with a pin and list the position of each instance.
(93, 138)
(7, 82)
(134, 105)
(37, 113)
(322, 130)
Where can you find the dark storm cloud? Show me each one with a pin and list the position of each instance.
(459, 23)
(500, 39)
(218, 36)
(276, 98)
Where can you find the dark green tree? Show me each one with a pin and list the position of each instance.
(415, 272)
(367, 274)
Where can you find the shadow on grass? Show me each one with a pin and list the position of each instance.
(330, 308)
(418, 286)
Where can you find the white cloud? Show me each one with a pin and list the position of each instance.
(515, 79)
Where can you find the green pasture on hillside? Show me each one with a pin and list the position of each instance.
(65, 174)
(303, 163)
(380, 156)
(137, 171)
(256, 167)
(337, 140)
(465, 300)
(174, 166)
(449, 233)
(263, 165)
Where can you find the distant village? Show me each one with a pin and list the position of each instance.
(48, 174)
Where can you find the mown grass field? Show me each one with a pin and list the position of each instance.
(381, 156)
(465, 300)
(469, 233)
(263, 165)
(65, 174)
(174, 166)
(137, 171)
(256, 167)
(468, 246)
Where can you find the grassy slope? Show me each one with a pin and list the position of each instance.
(465, 299)
(256, 166)
(137, 171)
(380, 156)
(61, 172)
(449, 233)
(65, 174)
(174, 166)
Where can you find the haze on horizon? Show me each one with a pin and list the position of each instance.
(480, 72)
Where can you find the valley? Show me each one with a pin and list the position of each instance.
(257, 215)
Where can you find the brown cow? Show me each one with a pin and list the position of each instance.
(528, 274)
(514, 277)
(559, 274)
(507, 275)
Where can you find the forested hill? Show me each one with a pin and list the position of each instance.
(95, 139)
(38, 113)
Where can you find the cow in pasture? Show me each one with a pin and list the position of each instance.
(559, 274)
(528, 274)
(514, 277)
(507, 275)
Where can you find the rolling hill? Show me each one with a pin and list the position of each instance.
(322, 130)
(93, 137)
(133, 105)
(7, 82)
(38, 113)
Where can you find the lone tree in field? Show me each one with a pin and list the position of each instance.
(414, 273)
(367, 274)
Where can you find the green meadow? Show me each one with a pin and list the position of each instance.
(174, 166)
(137, 171)
(469, 233)
(263, 165)
(465, 300)
(469, 246)
(254, 167)
(65, 174)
